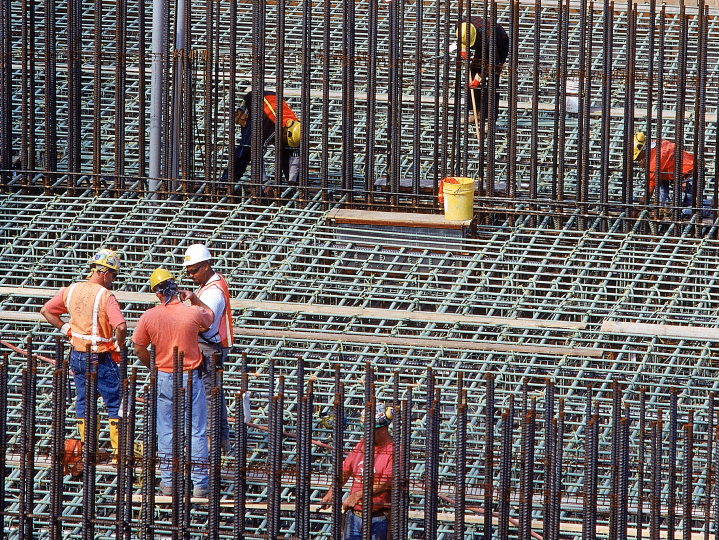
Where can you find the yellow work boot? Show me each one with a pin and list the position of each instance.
(114, 425)
(81, 429)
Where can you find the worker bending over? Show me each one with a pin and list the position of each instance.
(166, 326)
(381, 488)
(213, 292)
(666, 171)
(290, 139)
(472, 36)
(95, 321)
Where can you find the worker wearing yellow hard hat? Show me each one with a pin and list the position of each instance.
(666, 150)
(290, 140)
(95, 323)
(173, 326)
(472, 35)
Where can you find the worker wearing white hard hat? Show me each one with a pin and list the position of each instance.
(217, 340)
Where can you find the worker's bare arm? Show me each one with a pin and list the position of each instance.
(121, 334)
(143, 355)
(327, 499)
(195, 301)
(54, 320)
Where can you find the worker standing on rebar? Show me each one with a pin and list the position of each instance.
(666, 170)
(381, 489)
(167, 326)
(214, 293)
(290, 140)
(472, 36)
(95, 321)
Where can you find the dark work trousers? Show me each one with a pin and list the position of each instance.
(210, 379)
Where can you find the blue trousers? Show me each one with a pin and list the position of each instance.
(108, 382)
(353, 527)
(199, 428)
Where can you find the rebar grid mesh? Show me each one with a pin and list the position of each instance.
(431, 62)
(546, 290)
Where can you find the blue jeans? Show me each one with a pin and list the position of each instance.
(207, 351)
(353, 527)
(108, 382)
(199, 428)
(666, 194)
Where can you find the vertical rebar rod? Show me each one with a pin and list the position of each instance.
(700, 120)
(22, 474)
(709, 471)
(623, 483)
(300, 415)
(655, 480)
(121, 454)
(178, 428)
(279, 424)
(614, 459)
(58, 443)
(120, 75)
(660, 94)
(526, 487)
(417, 120)
(74, 82)
(677, 199)
(513, 96)
(187, 462)
(258, 90)
(672, 470)
(461, 459)
(371, 97)
(4, 365)
(90, 448)
(607, 55)
(650, 97)
(326, 64)
(130, 457)
(558, 98)
(6, 93)
(549, 441)
(641, 460)
(492, 98)
(396, 489)
(306, 98)
(534, 148)
(405, 452)
(443, 159)
(215, 471)
(141, 96)
(505, 470)
(688, 476)
(337, 454)
(561, 151)
(187, 112)
(24, 89)
(557, 475)
(369, 442)
(50, 95)
(582, 117)
(488, 451)
(240, 465)
(628, 181)
(348, 84)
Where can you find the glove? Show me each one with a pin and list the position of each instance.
(65, 329)
(474, 83)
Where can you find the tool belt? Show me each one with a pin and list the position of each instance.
(377, 513)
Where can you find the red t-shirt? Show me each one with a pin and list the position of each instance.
(353, 465)
(169, 326)
(56, 306)
(666, 163)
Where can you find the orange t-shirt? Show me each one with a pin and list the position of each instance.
(666, 163)
(169, 326)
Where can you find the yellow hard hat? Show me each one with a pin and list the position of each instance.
(160, 275)
(292, 129)
(106, 258)
(464, 29)
(640, 140)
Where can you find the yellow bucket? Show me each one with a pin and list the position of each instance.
(458, 198)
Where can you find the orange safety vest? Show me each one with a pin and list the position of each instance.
(225, 328)
(89, 325)
(271, 106)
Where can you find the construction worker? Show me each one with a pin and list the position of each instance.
(213, 292)
(666, 170)
(382, 485)
(290, 139)
(167, 326)
(95, 321)
(472, 36)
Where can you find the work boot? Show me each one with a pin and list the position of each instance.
(165, 489)
(81, 429)
(114, 425)
(200, 492)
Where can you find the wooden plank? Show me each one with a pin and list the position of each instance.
(372, 339)
(336, 311)
(394, 219)
(695, 333)
(375, 339)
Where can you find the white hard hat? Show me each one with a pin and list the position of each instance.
(196, 253)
